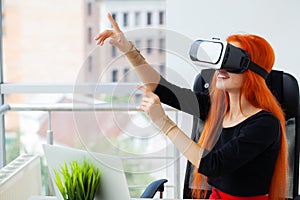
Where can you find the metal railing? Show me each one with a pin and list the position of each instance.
(103, 88)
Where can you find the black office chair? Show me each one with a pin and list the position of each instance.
(155, 186)
(285, 88)
(201, 84)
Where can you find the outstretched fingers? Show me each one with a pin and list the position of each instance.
(151, 105)
(147, 92)
(108, 33)
(103, 36)
(114, 23)
(148, 100)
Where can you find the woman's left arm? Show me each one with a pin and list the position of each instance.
(151, 105)
(184, 99)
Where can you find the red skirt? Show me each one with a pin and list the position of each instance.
(217, 194)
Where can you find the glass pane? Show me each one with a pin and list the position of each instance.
(44, 46)
(40, 45)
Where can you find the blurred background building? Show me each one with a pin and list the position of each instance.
(52, 41)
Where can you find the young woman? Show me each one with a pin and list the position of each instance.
(248, 160)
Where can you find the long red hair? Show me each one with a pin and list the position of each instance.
(258, 94)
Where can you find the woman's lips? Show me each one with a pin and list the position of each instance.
(221, 74)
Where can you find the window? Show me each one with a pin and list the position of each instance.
(89, 8)
(90, 64)
(138, 44)
(137, 18)
(90, 36)
(114, 16)
(161, 17)
(162, 69)
(113, 51)
(125, 19)
(114, 75)
(126, 75)
(149, 46)
(76, 69)
(149, 18)
(162, 44)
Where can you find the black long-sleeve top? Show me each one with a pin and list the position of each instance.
(243, 159)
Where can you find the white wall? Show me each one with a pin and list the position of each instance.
(275, 20)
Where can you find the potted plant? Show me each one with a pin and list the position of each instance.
(79, 181)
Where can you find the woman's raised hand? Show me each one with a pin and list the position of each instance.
(116, 36)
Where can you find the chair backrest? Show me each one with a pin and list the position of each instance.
(201, 84)
(285, 88)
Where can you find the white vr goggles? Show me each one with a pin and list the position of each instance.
(222, 55)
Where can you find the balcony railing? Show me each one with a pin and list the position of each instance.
(97, 88)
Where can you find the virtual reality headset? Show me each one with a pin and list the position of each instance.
(222, 55)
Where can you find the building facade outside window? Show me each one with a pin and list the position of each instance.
(137, 43)
(149, 18)
(89, 35)
(89, 8)
(126, 75)
(113, 51)
(90, 64)
(149, 46)
(114, 16)
(162, 44)
(137, 18)
(114, 75)
(161, 17)
(125, 19)
(162, 69)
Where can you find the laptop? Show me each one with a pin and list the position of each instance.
(113, 180)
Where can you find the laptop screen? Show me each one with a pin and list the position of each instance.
(113, 180)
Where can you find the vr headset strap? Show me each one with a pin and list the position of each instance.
(258, 69)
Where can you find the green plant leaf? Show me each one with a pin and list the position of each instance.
(60, 185)
(81, 182)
